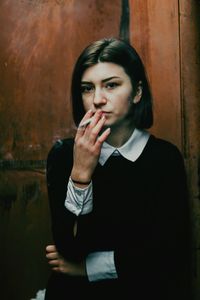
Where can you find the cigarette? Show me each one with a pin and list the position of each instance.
(86, 122)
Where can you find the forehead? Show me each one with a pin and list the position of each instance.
(103, 70)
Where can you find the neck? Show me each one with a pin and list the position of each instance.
(119, 135)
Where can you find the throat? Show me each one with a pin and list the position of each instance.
(119, 136)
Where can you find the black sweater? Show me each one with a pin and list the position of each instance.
(140, 211)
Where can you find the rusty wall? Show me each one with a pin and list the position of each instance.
(167, 35)
(190, 91)
(40, 40)
(154, 31)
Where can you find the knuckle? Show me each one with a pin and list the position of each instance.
(76, 140)
(62, 269)
(93, 132)
(79, 143)
(99, 141)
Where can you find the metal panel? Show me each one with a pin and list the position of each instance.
(154, 31)
(40, 41)
(190, 79)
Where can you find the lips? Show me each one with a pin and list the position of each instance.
(103, 112)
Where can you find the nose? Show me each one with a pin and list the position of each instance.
(99, 98)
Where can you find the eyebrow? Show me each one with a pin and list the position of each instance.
(104, 80)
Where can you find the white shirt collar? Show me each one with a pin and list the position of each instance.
(131, 150)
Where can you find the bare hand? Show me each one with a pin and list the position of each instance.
(87, 147)
(61, 265)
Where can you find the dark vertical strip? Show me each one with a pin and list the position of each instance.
(124, 23)
(182, 103)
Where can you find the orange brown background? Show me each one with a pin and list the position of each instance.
(39, 43)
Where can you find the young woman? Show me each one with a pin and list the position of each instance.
(117, 194)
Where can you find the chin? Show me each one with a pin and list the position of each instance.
(108, 124)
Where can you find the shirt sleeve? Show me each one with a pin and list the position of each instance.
(79, 200)
(100, 266)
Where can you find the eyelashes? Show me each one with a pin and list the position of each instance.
(112, 85)
(86, 89)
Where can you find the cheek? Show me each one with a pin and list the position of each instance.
(87, 104)
(122, 106)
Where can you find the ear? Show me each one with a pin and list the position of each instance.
(138, 95)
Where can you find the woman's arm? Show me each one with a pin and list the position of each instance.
(76, 160)
(61, 265)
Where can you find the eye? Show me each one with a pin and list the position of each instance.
(87, 89)
(111, 85)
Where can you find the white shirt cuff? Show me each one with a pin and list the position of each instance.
(79, 200)
(101, 266)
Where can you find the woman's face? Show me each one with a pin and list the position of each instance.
(106, 87)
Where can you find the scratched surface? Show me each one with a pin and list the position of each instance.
(40, 40)
(167, 35)
(154, 23)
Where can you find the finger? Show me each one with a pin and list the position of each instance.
(86, 122)
(100, 124)
(51, 248)
(59, 269)
(95, 119)
(91, 131)
(94, 132)
(103, 137)
(52, 255)
(81, 129)
(86, 130)
(56, 269)
(87, 115)
(54, 262)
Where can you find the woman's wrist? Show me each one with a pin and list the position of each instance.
(80, 177)
(79, 181)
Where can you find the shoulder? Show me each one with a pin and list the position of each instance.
(164, 146)
(61, 145)
(166, 161)
(61, 149)
(164, 151)
(59, 160)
